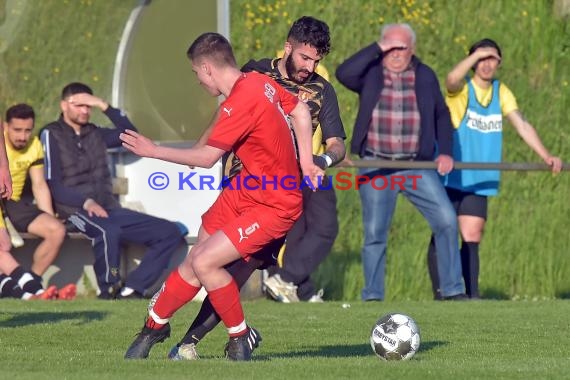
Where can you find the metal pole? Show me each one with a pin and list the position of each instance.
(503, 166)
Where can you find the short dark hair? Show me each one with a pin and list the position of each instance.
(20, 111)
(75, 88)
(308, 30)
(485, 42)
(212, 45)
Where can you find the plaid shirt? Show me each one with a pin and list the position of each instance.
(395, 124)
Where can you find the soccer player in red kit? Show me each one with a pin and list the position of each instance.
(246, 216)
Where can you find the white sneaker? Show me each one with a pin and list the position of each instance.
(318, 297)
(281, 291)
(185, 351)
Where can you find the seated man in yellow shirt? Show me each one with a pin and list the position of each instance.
(25, 157)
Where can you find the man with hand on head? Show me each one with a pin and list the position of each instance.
(78, 175)
(401, 117)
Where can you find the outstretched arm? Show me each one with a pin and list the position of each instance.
(204, 156)
(530, 136)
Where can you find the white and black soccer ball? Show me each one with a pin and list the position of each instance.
(395, 337)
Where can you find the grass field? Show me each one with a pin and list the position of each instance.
(86, 339)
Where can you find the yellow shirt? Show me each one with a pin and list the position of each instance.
(20, 163)
(457, 102)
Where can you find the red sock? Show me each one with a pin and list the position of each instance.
(225, 301)
(175, 293)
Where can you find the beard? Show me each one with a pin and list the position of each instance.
(293, 72)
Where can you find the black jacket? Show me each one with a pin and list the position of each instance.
(362, 73)
(76, 166)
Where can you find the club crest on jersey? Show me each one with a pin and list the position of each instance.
(248, 231)
(305, 95)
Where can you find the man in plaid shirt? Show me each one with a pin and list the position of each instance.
(402, 116)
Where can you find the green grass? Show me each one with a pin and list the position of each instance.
(86, 339)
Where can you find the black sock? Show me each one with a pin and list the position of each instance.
(432, 269)
(36, 277)
(26, 281)
(205, 321)
(470, 267)
(9, 288)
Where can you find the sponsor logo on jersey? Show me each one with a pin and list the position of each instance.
(483, 123)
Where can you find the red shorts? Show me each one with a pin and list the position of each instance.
(250, 226)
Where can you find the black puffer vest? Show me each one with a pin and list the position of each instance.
(84, 164)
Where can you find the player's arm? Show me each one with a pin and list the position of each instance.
(332, 128)
(5, 178)
(456, 77)
(204, 156)
(40, 189)
(208, 131)
(528, 133)
(301, 121)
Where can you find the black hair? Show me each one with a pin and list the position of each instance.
(313, 32)
(212, 45)
(485, 42)
(20, 111)
(75, 88)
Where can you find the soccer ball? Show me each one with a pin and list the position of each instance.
(395, 337)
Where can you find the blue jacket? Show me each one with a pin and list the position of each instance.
(362, 73)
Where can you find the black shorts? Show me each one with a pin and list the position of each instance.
(466, 203)
(22, 213)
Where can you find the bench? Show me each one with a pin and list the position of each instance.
(74, 263)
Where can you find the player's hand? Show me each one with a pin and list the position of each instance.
(94, 209)
(444, 164)
(5, 183)
(555, 163)
(137, 143)
(313, 173)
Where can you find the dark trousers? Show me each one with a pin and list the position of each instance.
(310, 240)
(160, 236)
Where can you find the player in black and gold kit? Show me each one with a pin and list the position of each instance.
(312, 236)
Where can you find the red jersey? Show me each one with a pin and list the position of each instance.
(252, 124)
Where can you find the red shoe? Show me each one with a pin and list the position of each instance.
(67, 293)
(48, 294)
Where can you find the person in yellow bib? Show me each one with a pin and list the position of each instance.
(477, 104)
(32, 212)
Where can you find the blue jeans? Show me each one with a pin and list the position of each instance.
(428, 195)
